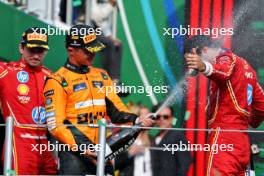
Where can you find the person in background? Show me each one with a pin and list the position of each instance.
(77, 6)
(102, 17)
(137, 160)
(39, 8)
(166, 162)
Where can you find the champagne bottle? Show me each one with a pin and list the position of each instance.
(121, 141)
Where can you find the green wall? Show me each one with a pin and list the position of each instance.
(13, 23)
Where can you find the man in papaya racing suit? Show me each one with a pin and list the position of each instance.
(21, 92)
(79, 94)
(236, 100)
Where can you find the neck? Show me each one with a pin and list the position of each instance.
(73, 61)
(75, 68)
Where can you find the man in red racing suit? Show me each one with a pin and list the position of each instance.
(21, 92)
(236, 100)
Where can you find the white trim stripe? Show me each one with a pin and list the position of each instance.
(29, 136)
(88, 103)
(3, 73)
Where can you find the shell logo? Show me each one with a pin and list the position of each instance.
(23, 89)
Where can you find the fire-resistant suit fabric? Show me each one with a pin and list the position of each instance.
(78, 96)
(21, 92)
(236, 100)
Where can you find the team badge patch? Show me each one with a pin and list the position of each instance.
(105, 77)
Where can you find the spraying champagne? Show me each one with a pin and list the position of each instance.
(121, 141)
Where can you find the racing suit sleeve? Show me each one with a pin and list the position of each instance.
(116, 109)
(257, 106)
(3, 69)
(55, 103)
(222, 69)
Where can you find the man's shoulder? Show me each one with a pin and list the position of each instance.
(3, 66)
(9, 67)
(226, 56)
(96, 69)
(46, 71)
(100, 72)
(60, 75)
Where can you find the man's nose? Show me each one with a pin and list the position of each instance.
(36, 55)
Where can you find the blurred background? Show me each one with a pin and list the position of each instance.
(134, 31)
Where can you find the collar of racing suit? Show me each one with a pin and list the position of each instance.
(24, 64)
(76, 69)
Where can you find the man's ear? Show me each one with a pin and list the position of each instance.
(21, 49)
(70, 51)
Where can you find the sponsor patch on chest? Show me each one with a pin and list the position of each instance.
(22, 76)
(78, 87)
(23, 99)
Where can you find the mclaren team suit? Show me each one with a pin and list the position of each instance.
(76, 95)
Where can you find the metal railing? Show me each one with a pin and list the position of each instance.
(8, 146)
(103, 126)
(102, 144)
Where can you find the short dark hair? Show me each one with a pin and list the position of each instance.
(200, 41)
(156, 107)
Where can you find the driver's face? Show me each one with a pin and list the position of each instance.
(82, 56)
(33, 56)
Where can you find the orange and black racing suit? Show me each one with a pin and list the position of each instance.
(80, 95)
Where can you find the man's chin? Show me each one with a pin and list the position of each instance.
(34, 64)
